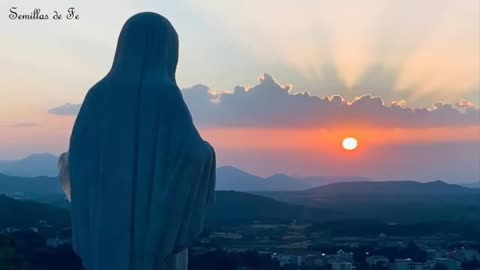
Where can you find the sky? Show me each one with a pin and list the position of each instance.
(274, 85)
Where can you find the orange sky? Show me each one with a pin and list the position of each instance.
(330, 139)
(430, 153)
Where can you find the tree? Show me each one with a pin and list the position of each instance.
(471, 265)
(9, 259)
(439, 266)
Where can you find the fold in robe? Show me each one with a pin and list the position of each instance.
(141, 175)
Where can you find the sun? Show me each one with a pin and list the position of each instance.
(349, 143)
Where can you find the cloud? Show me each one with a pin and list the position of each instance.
(430, 46)
(65, 109)
(271, 104)
(274, 105)
(465, 104)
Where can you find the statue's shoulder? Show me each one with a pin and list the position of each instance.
(200, 152)
(98, 89)
(208, 150)
(161, 90)
(96, 96)
(209, 147)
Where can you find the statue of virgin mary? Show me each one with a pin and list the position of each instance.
(140, 175)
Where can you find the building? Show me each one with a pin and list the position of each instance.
(225, 235)
(56, 242)
(60, 239)
(466, 255)
(285, 259)
(314, 260)
(342, 266)
(343, 256)
(408, 264)
(433, 254)
(374, 260)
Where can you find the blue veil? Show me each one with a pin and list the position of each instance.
(141, 175)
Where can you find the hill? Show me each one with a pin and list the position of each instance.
(31, 188)
(472, 185)
(31, 166)
(23, 214)
(228, 177)
(231, 178)
(389, 201)
(232, 206)
(396, 201)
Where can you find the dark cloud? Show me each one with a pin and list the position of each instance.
(271, 104)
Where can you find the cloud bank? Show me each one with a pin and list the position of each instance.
(270, 104)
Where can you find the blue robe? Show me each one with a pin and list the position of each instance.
(141, 175)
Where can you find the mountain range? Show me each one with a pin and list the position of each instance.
(231, 178)
(29, 187)
(31, 166)
(228, 177)
(230, 207)
(472, 185)
(340, 205)
(395, 201)
(389, 201)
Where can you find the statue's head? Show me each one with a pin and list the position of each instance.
(147, 42)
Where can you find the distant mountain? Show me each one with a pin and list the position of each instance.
(231, 178)
(31, 166)
(396, 201)
(325, 180)
(390, 188)
(472, 185)
(30, 188)
(228, 177)
(229, 206)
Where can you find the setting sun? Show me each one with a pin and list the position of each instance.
(349, 143)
